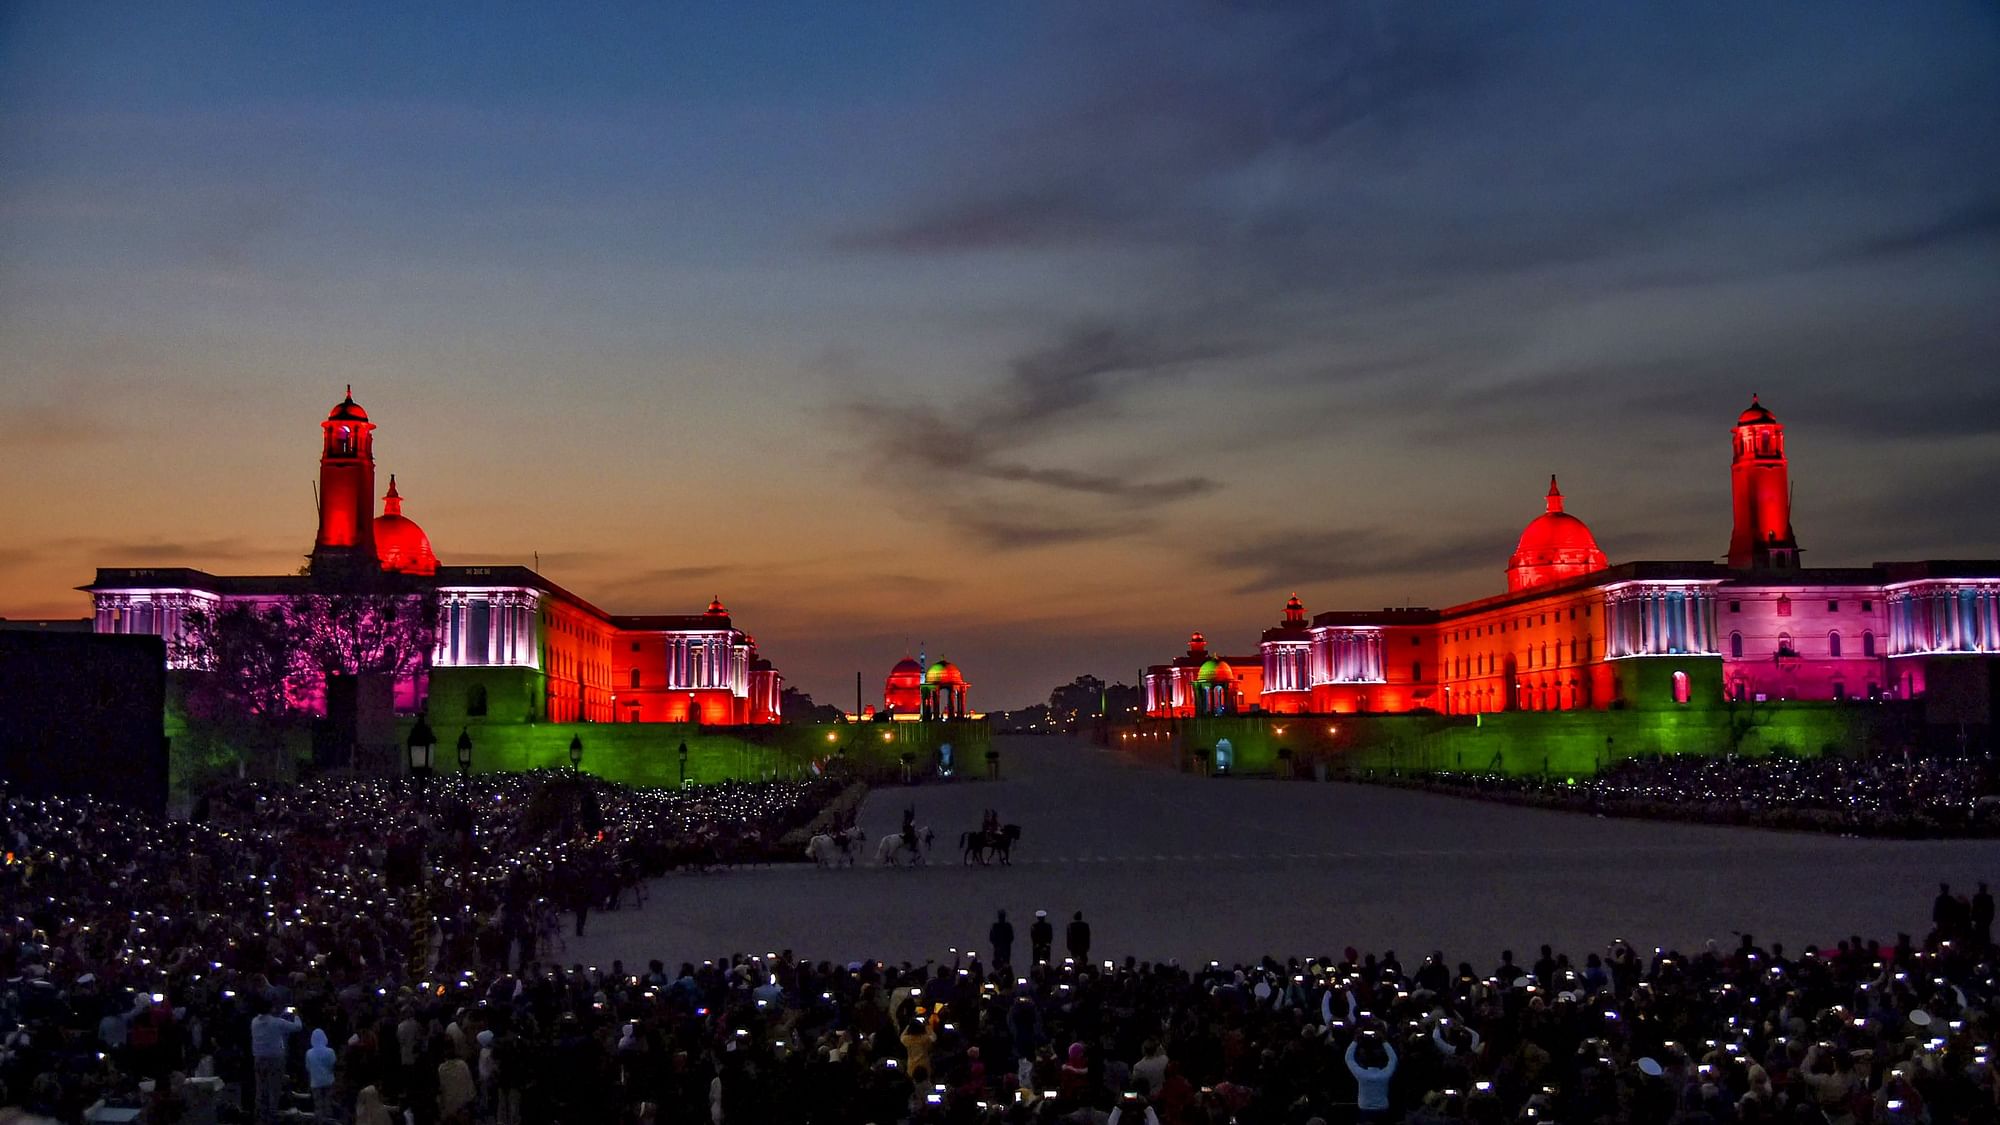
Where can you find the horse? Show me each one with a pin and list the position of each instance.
(893, 844)
(832, 849)
(1000, 844)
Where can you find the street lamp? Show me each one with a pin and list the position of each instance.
(576, 752)
(464, 751)
(684, 763)
(422, 743)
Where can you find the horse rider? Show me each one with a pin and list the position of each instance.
(910, 829)
(990, 824)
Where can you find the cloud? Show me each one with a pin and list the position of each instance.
(1290, 559)
(44, 428)
(1077, 378)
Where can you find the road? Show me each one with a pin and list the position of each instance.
(1166, 865)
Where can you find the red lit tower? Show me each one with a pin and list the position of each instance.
(346, 490)
(1761, 493)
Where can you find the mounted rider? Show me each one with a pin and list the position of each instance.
(910, 829)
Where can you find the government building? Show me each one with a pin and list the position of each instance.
(508, 642)
(1573, 632)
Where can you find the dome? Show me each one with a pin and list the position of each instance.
(347, 410)
(715, 608)
(1756, 415)
(907, 667)
(400, 545)
(1554, 546)
(1215, 671)
(944, 672)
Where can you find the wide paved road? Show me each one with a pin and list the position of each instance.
(1166, 865)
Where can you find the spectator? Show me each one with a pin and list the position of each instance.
(320, 1077)
(270, 1035)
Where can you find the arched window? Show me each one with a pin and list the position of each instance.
(1833, 644)
(475, 700)
(1736, 644)
(1681, 691)
(1867, 643)
(1785, 644)
(635, 677)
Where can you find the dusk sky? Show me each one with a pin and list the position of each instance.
(1040, 334)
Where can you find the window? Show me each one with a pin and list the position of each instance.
(635, 677)
(635, 646)
(1833, 645)
(1784, 606)
(1868, 607)
(1681, 691)
(1586, 611)
(1736, 644)
(1867, 643)
(1839, 690)
(1785, 645)
(1736, 607)
(1416, 671)
(1414, 640)
(1832, 606)
(475, 701)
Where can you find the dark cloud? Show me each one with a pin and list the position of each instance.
(1076, 379)
(1975, 224)
(1289, 560)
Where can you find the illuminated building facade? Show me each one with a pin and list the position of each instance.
(510, 644)
(1574, 632)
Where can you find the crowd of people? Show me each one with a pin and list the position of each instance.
(1881, 795)
(286, 958)
(137, 948)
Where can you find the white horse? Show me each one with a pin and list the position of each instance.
(828, 851)
(889, 851)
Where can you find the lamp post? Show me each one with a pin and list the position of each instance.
(576, 752)
(421, 745)
(684, 763)
(464, 752)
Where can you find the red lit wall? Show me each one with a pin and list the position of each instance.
(1541, 654)
(576, 664)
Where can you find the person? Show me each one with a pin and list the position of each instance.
(990, 823)
(456, 1093)
(1150, 1072)
(1042, 936)
(1078, 938)
(1982, 917)
(269, 1036)
(319, 1076)
(1001, 935)
(1371, 1081)
(910, 828)
(369, 1110)
(1944, 913)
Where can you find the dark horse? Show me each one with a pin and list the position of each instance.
(984, 845)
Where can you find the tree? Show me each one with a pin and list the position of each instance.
(795, 706)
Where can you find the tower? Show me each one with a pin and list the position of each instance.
(1760, 493)
(346, 540)
(1295, 611)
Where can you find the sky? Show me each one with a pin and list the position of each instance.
(1034, 334)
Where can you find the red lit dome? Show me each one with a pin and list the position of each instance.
(1756, 415)
(902, 692)
(715, 608)
(1555, 546)
(400, 545)
(347, 410)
